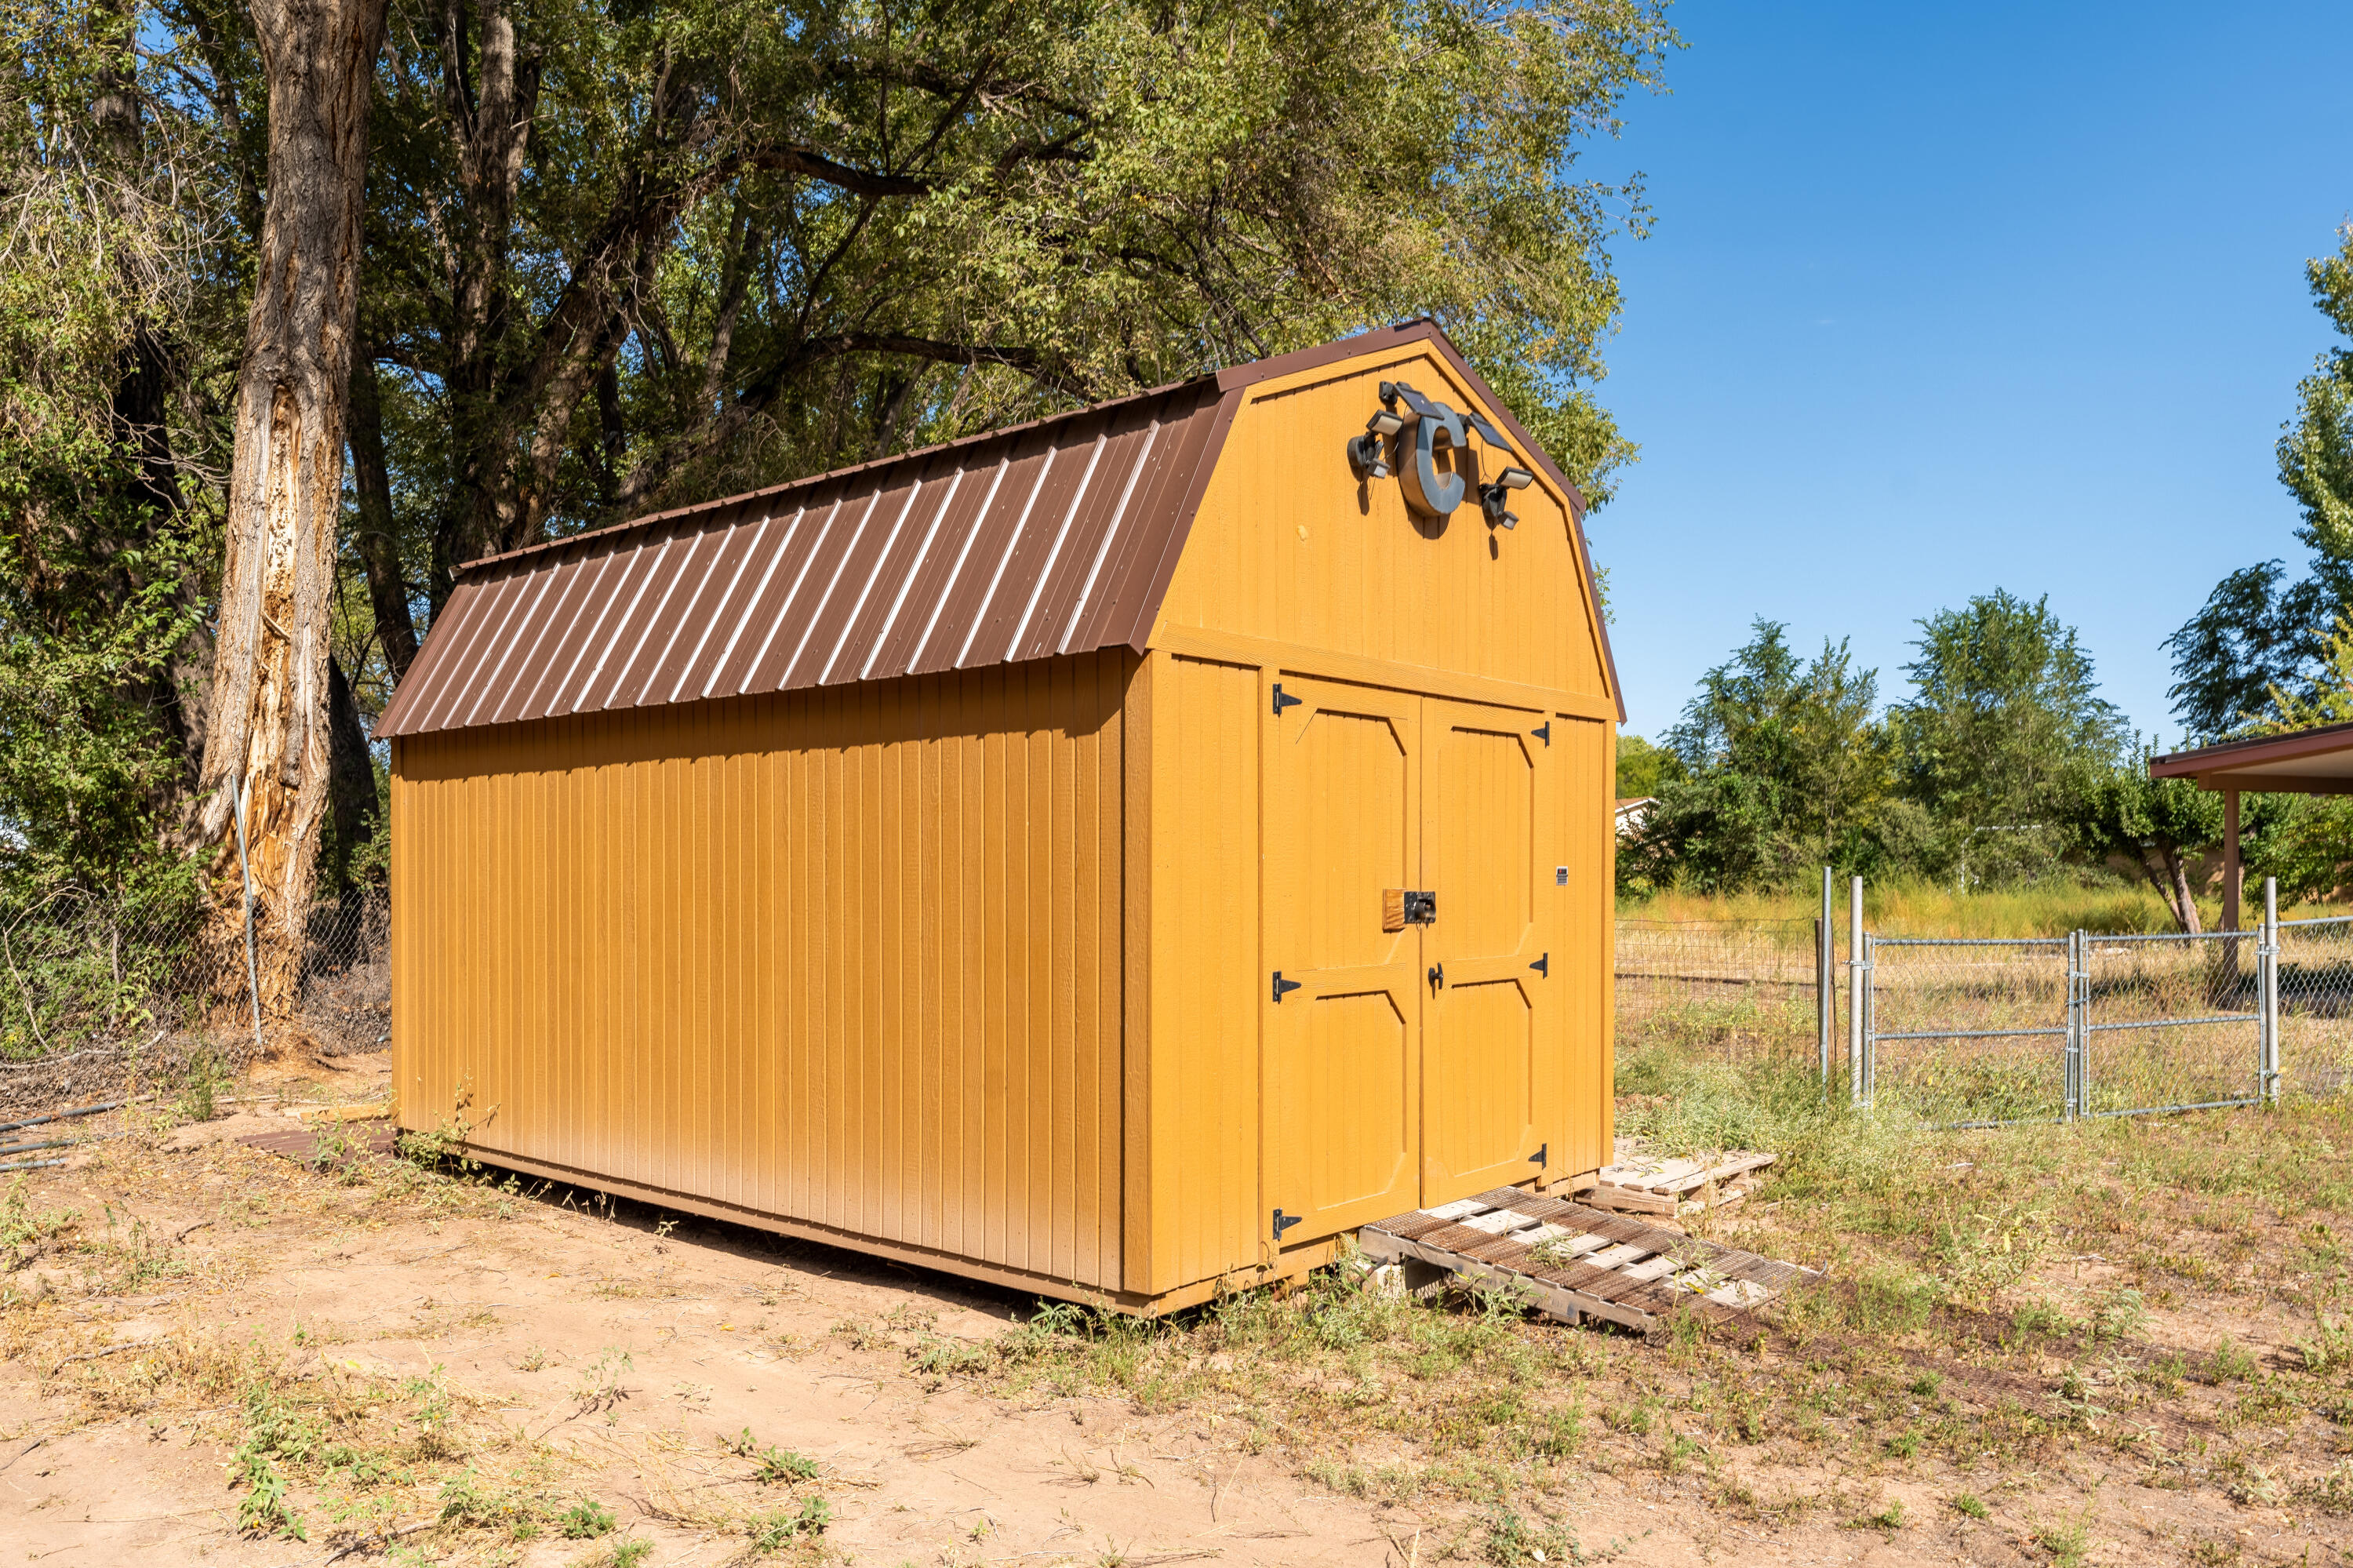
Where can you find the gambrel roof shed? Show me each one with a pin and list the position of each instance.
(1110, 856)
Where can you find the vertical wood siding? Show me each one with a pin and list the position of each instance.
(1591, 835)
(849, 956)
(1203, 1092)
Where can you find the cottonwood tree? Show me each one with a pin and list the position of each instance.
(266, 762)
(622, 257)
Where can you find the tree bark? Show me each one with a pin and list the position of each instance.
(266, 737)
(379, 538)
(351, 788)
(2172, 884)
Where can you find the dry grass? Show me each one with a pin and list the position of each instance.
(1923, 909)
(2020, 1327)
(2155, 1303)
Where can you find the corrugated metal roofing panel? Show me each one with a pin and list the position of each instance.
(1052, 538)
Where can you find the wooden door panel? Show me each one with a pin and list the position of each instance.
(1355, 1052)
(1475, 1131)
(1490, 1023)
(1343, 789)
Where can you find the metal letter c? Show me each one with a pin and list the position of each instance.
(1427, 491)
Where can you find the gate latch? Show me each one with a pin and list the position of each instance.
(1403, 906)
(1284, 1221)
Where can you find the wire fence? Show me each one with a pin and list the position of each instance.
(1742, 989)
(1990, 1030)
(92, 985)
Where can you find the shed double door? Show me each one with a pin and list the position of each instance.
(1405, 1067)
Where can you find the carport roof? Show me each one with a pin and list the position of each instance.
(2306, 762)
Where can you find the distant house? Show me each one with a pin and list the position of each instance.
(1631, 810)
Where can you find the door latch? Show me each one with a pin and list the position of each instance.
(1281, 985)
(1436, 976)
(1284, 1221)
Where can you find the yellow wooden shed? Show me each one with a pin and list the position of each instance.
(1111, 856)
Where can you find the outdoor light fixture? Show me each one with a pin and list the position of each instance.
(1495, 497)
(1366, 456)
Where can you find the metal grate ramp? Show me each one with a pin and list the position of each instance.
(1571, 1261)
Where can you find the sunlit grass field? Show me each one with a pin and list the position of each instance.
(1926, 909)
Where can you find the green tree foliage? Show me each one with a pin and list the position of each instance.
(1785, 764)
(620, 257)
(2315, 452)
(1643, 768)
(630, 257)
(2158, 824)
(2003, 732)
(2256, 635)
(110, 337)
(2256, 632)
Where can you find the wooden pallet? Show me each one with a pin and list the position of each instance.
(1603, 1264)
(1639, 1183)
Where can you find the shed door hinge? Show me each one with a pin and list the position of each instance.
(1539, 1157)
(1281, 985)
(1282, 701)
(1543, 732)
(1284, 1221)
(1542, 965)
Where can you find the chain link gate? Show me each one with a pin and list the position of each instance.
(1988, 1032)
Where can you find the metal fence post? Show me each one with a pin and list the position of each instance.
(1825, 979)
(252, 970)
(1856, 982)
(2078, 1037)
(2267, 1024)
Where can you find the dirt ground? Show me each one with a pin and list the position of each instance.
(427, 1367)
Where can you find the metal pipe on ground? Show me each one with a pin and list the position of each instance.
(64, 1115)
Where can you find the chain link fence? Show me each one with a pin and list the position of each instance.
(2315, 1005)
(1963, 1032)
(94, 985)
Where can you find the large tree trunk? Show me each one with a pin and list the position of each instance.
(266, 737)
(379, 539)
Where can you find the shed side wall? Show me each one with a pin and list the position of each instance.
(849, 956)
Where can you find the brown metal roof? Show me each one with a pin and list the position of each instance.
(2307, 761)
(1057, 537)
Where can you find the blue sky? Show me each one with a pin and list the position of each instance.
(1941, 298)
